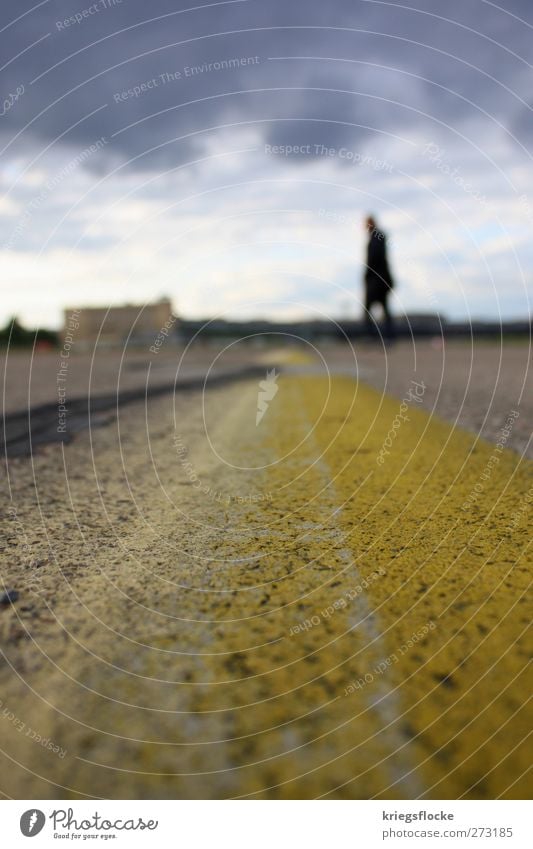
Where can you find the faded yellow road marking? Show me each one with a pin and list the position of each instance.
(307, 622)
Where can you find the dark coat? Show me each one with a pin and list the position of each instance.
(377, 273)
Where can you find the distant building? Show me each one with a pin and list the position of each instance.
(131, 324)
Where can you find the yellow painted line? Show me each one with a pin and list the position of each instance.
(417, 685)
(334, 605)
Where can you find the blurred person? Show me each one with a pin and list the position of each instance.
(378, 279)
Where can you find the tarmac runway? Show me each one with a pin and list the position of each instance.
(329, 602)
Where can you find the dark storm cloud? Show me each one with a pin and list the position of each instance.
(373, 69)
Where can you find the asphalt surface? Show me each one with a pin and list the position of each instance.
(330, 603)
(472, 386)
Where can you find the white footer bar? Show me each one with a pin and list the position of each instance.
(267, 824)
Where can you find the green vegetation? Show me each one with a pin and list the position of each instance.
(14, 335)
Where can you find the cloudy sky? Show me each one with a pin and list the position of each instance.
(224, 154)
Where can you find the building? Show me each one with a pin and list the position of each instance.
(131, 324)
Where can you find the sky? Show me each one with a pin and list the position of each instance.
(224, 154)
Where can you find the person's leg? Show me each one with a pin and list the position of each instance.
(370, 326)
(389, 322)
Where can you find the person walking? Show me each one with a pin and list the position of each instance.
(378, 279)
